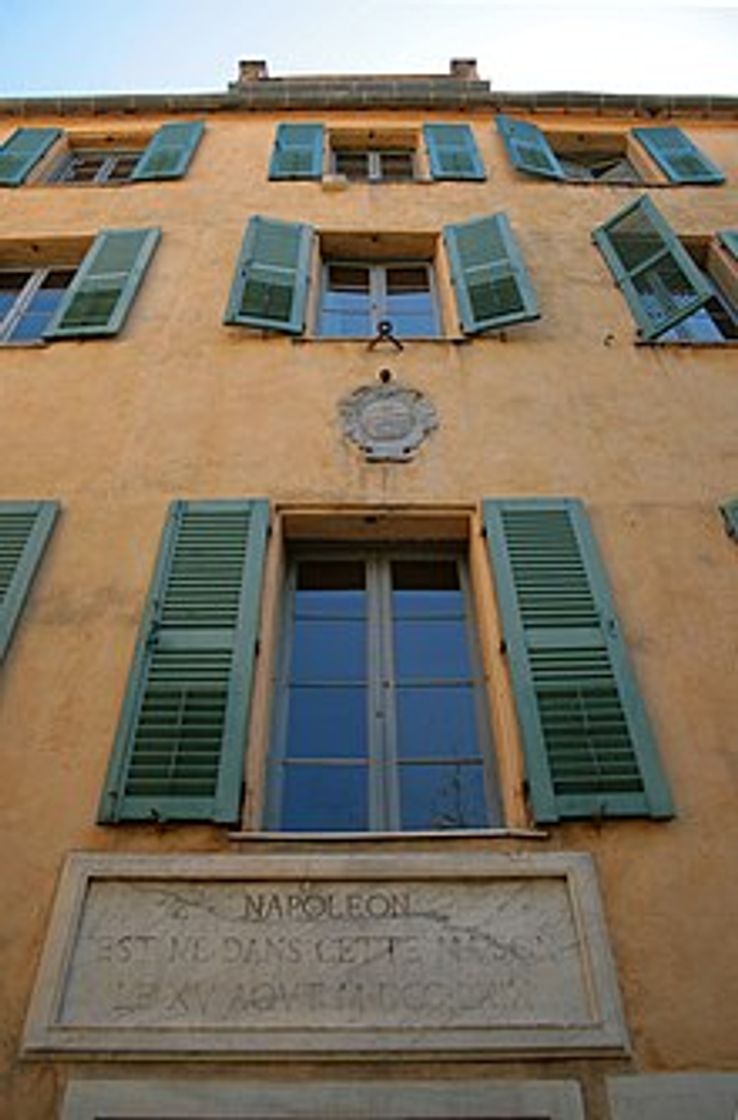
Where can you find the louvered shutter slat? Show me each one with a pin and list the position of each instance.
(453, 152)
(269, 289)
(297, 152)
(656, 274)
(677, 156)
(25, 528)
(179, 750)
(588, 746)
(105, 284)
(22, 151)
(170, 151)
(528, 149)
(491, 283)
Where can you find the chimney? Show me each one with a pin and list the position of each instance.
(252, 70)
(465, 69)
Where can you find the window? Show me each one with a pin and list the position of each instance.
(375, 155)
(92, 165)
(28, 300)
(68, 299)
(638, 155)
(357, 296)
(381, 711)
(381, 721)
(95, 158)
(368, 277)
(678, 290)
(25, 528)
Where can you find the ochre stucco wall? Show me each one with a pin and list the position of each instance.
(180, 406)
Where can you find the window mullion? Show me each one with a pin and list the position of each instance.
(377, 296)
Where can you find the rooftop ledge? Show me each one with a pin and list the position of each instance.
(461, 89)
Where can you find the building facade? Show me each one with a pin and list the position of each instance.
(369, 562)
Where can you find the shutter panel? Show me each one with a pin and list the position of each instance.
(588, 747)
(491, 282)
(452, 152)
(22, 151)
(297, 152)
(25, 528)
(170, 151)
(179, 748)
(99, 298)
(729, 511)
(729, 238)
(528, 149)
(269, 288)
(677, 156)
(656, 274)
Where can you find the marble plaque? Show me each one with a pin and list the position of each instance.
(231, 955)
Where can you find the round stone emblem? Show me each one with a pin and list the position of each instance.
(388, 422)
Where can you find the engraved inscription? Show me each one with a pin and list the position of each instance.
(327, 955)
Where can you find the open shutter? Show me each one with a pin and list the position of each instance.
(729, 238)
(729, 511)
(491, 282)
(452, 152)
(25, 527)
(170, 151)
(677, 156)
(22, 151)
(297, 152)
(656, 274)
(98, 299)
(270, 285)
(528, 149)
(179, 749)
(588, 747)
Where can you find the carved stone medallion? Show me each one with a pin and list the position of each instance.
(388, 422)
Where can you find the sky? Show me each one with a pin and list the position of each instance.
(148, 46)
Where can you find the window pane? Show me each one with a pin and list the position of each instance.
(83, 168)
(11, 286)
(328, 650)
(435, 723)
(330, 798)
(326, 723)
(345, 309)
(122, 166)
(431, 649)
(423, 587)
(409, 304)
(664, 290)
(354, 165)
(329, 588)
(442, 796)
(37, 313)
(396, 165)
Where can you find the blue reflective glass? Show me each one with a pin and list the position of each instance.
(329, 588)
(328, 650)
(442, 796)
(326, 723)
(409, 304)
(345, 310)
(325, 798)
(437, 723)
(29, 327)
(426, 587)
(431, 649)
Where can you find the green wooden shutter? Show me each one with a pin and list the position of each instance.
(297, 152)
(492, 285)
(729, 511)
(654, 271)
(729, 238)
(99, 298)
(179, 749)
(452, 152)
(270, 284)
(25, 527)
(528, 149)
(588, 747)
(170, 151)
(677, 156)
(22, 151)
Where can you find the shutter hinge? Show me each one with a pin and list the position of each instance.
(257, 647)
(503, 647)
(483, 532)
